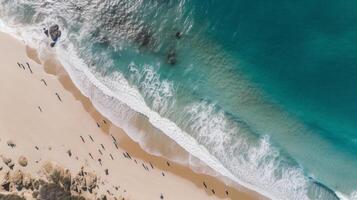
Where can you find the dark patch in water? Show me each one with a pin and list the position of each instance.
(319, 189)
(144, 37)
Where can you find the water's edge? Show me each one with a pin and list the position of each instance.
(193, 162)
(126, 107)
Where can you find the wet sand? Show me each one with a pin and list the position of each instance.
(50, 120)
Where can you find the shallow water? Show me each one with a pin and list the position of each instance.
(261, 92)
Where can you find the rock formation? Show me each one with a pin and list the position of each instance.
(22, 161)
(171, 57)
(54, 32)
(11, 143)
(58, 183)
(8, 162)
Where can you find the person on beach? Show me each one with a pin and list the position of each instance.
(28, 66)
(91, 138)
(82, 139)
(59, 98)
(69, 153)
(44, 82)
(18, 64)
(116, 146)
(125, 155)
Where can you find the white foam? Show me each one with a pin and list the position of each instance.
(124, 95)
(123, 100)
(116, 99)
(120, 90)
(352, 196)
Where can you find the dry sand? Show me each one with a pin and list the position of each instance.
(41, 107)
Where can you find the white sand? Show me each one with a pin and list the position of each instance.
(58, 128)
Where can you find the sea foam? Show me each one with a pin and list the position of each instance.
(122, 103)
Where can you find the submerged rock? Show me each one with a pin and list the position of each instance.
(171, 57)
(178, 35)
(144, 37)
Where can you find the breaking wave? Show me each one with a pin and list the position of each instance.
(135, 96)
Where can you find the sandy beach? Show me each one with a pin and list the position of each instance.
(46, 119)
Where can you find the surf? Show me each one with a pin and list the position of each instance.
(127, 92)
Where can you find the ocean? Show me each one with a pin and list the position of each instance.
(262, 92)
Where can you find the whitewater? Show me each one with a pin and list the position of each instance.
(239, 155)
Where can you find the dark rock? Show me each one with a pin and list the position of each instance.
(10, 143)
(45, 31)
(52, 44)
(144, 37)
(8, 162)
(54, 32)
(69, 153)
(53, 191)
(6, 186)
(178, 35)
(17, 179)
(36, 184)
(27, 181)
(35, 194)
(66, 182)
(11, 197)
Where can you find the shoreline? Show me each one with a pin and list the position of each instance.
(128, 145)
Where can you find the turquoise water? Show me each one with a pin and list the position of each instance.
(267, 88)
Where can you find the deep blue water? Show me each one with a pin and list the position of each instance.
(266, 87)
